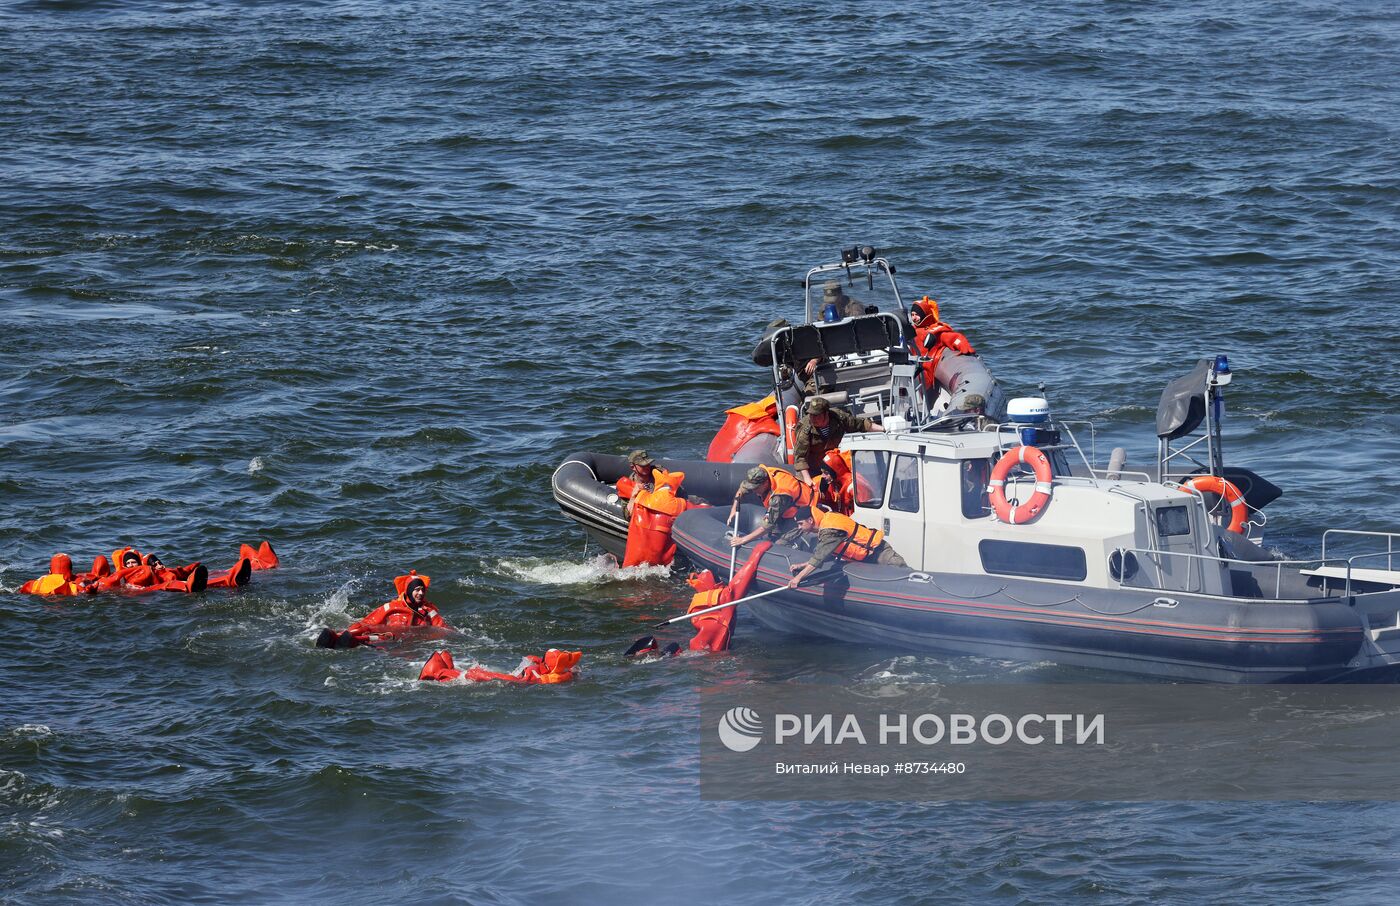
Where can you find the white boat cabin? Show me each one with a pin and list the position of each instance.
(929, 493)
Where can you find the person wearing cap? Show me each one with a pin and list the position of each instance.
(846, 307)
(820, 430)
(835, 306)
(782, 495)
(841, 536)
(640, 478)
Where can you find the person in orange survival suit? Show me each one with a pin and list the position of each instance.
(932, 336)
(554, 666)
(715, 630)
(60, 580)
(133, 574)
(638, 479)
(178, 578)
(386, 622)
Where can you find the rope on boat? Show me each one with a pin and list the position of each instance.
(1051, 604)
(1116, 613)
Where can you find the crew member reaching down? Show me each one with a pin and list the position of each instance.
(387, 622)
(782, 494)
(842, 537)
(820, 430)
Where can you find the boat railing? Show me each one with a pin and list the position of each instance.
(1392, 540)
(1328, 569)
(1092, 460)
(1010, 428)
(1197, 565)
(1132, 475)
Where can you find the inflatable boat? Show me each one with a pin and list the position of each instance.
(859, 346)
(584, 487)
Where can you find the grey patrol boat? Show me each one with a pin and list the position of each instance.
(1143, 573)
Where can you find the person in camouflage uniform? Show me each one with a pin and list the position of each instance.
(841, 536)
(778, 522)
(820, 430)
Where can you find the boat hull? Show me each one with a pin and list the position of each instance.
(1135, 631)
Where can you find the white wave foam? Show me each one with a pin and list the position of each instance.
(34, 731)
(256, 465)
(334, 606)
(595, 571)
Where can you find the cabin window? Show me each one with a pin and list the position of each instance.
(871, 468)
(975, 475)
(904, 490)
(1173, 521)
(1039, 561)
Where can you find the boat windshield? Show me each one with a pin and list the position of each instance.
(835, 291)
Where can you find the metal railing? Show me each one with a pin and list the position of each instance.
(1279, 566)
(1196, 570)
(1391, 538)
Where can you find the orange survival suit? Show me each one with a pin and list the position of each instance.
(714, 631)
(932, 336)
(554, 667)
(400, 613)
(148, 574)
(61, 581)
(654, 510)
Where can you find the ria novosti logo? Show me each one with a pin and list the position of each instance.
(740, 729)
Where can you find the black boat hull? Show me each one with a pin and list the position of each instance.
(584, 486)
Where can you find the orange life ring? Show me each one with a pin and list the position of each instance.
(996, 488)
(1239, 513)
(790, 420)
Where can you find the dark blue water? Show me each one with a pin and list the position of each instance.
(355, 277)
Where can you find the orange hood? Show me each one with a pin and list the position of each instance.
(120, 553)
(61, 565)
(702, 581)
(558, 662)
(401, 583)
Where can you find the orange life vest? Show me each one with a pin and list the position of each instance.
(843, 493)
(781, 481)
(861, 541)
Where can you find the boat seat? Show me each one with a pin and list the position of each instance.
(854, 379)
(1382, 576)
(863, 335)
(803, 344)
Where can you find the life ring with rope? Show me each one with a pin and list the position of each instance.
(1044, 478)
(1214, 484)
